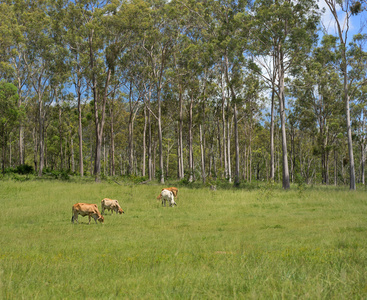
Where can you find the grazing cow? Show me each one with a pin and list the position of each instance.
(167, 195)
(111, 205)
(84, 209)
(174, 190)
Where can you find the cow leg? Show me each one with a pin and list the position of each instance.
(74, 218)
(102, 213)
(95, 218)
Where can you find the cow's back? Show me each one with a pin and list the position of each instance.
(85, 208)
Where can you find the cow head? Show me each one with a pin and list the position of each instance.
(101, 219)
(121, 211)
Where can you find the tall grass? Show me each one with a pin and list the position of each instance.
(228, 244)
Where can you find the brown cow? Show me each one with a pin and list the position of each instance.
(112, 205)
(174, 190)
(84, 209)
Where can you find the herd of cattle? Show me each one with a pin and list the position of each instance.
(91, 210)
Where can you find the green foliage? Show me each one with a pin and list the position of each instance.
(183, 182)
(57, 174)
(8, 107)
(172, 50)
(133, 179)
(301, 184)
(24, 169)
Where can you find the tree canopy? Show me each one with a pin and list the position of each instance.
(181, 89)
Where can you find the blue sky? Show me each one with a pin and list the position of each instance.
(358, 24)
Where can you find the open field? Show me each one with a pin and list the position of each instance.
(228, 244)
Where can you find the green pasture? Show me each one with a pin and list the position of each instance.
(263, 243)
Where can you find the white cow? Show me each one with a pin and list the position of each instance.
(112, 205)
(168, 196)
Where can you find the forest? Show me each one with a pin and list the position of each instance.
(185, 90)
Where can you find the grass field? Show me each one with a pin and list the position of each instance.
(225, 244)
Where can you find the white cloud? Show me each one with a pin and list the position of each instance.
(327, 18)
(328, 21)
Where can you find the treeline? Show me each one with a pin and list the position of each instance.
(193, 90)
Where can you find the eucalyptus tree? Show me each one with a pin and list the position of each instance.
(316, 89)
(349, 8)
(361, 130)
(75, 39)
(99, 73)
(234, 34)
(159, 41)
(195, 64)
(13, 55)
(9, 113)
(107, 37)
(127, 24)
(267, 67)
(41, 62)
(183, 71)
(357, 57)
(179, 74)
(285, 29)
(191, 71)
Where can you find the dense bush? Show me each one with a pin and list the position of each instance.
(21, 169)
(25, 169)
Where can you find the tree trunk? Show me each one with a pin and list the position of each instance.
(150, 161)
(35, 149)
(21, 127)
(4, 142)
(160, 137)
(335, 168)
(99, 121)
(344, 67)
(286, 183)
(80, 129)
(191, 155)
(272, 161)
(219, 145)
(237, 146)
(104, 156)
(229, 150)
(131, 130)
(224, 132)
(144, 142)
(178, 152)
(182, 171)
(41, 134)
(60, 140)
(112, 144)
(72, 154)
(363, 148)
(352, 175)
(202, 154)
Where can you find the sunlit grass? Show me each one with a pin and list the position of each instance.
(260, 243)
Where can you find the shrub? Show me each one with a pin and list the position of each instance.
(21, 169)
